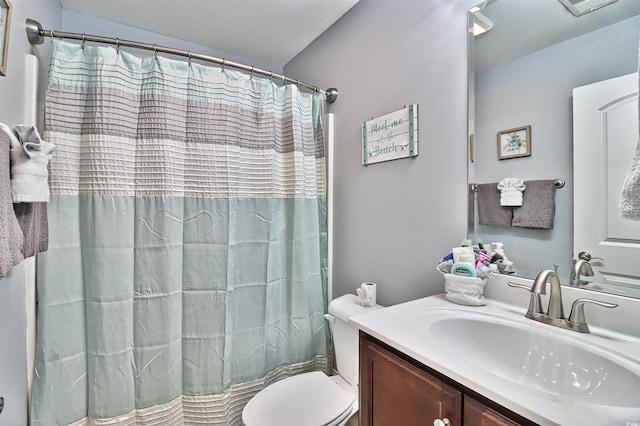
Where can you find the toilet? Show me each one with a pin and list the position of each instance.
(315, 399)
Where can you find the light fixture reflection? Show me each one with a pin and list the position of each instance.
(479, 7)
(481, 24)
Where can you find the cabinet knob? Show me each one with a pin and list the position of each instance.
(442, 422)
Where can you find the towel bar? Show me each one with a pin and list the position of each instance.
(557, 182)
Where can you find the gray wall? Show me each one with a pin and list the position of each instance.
(536, 90)
(395, 220)
(13, 356)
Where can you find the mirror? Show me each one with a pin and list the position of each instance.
(522, 72)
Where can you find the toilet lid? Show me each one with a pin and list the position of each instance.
(309, 399)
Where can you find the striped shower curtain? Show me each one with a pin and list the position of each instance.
(188, 246)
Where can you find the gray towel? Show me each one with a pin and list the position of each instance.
(538, 205)
(34, 221)
(630, 196)
(11, 238)
(490, 212)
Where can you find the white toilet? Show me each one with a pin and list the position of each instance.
(315, 399)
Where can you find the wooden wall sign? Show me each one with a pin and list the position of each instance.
(391, 136)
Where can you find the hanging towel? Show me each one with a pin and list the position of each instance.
(630, 196)
(34, 222)
(10, 233)
(490, 212)
(29, 158)
(511, 191)
(538, 205)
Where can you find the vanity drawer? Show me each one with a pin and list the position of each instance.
(478, 414)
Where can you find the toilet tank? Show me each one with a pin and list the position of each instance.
(345, 334)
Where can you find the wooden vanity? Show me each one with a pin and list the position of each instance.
(398, 390)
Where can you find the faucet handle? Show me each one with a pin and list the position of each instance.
(535, 303)
(518, 285)
(583, 255)
(576, 317)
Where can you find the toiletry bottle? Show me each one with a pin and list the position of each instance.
(464, 266)
(498, 248)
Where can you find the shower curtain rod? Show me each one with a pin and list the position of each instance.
(36, 35)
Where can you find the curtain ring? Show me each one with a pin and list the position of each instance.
(270, 75)
(155, 50)
(251, 73)
(189, 56)
(223, 62)
(84, 39)
(117, 45)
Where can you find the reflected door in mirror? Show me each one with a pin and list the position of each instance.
(605, 120)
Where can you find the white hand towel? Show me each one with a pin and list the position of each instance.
(630, 196)
(511, 191)
(30, 156)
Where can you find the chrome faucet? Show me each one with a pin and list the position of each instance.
(581, 266)
(555, 312)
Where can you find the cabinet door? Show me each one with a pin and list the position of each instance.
(478, 414)
(395, 392)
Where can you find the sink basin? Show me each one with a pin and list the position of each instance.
(546, 374)
(537, 356)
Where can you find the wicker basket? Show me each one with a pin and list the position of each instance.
(464, 290)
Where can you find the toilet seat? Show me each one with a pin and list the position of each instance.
(309, 399)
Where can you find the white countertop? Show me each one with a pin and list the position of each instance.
(396, 326)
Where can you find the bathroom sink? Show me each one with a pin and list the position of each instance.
(539, 357)
(548, 375)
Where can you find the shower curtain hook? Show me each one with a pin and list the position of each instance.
(223, 62)
(117, 45)
(270, 75)
(251, 74)
(84, 39)
(155, 50)
(189, 56)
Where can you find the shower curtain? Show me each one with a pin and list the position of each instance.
(188, 248)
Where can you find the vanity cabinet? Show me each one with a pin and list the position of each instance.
(397, 390)
(478, 414)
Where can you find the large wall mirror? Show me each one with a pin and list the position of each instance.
(526, 59)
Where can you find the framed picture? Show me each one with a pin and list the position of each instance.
(5, 28)
(514, 143)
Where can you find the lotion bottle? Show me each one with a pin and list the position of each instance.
(464, 266)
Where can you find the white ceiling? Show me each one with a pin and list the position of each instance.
(269, 31)
(522, 27)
